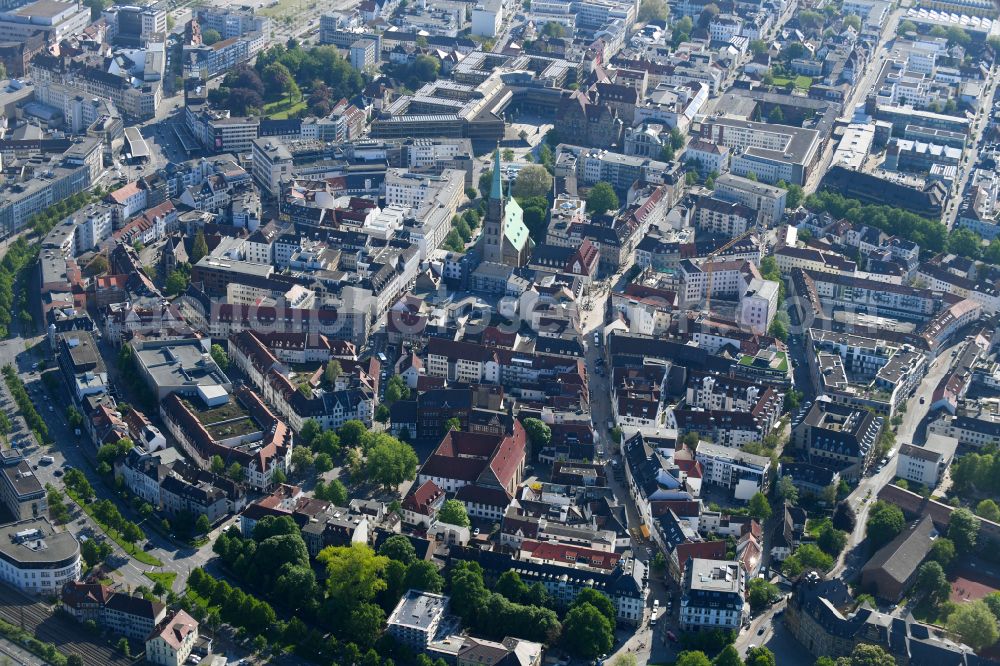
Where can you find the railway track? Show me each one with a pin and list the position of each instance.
(63, 632)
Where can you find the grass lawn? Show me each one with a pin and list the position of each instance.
(801, 82)
(164, 578)
(815, 525)
(282, 109)
(130, 548)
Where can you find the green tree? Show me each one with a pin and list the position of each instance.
(885, 521)
(586, 632)
(760, 656)
(761, 593)
(511, 586)
(398, 547)
(931, 583)
(355, 574)
(390, 462)
(692, 658)
(235, 471)
(302, 459)
(220, 357)
(759, 507)
(309, 432)
(538, 432)
(532, 181)
(812, 557)
(653, 10)
(831, 540)
(989, 510)
(383, 414)
(202, 526)
(785, 490)
(601, 199)
(352, 433)
(729, 656)
(974, 624)
(598, 600)
(758, 47)
(333, 371)
(963, 530)
(216, 465)
(453, 512)
(867, 655)
(992, 600)
(794, 196)
(776, 116)
(396, 389)
(423, 575)
(177, 283)
(966, 243)
(123, 647)
(942, 552)
(210, 36)
(322, 463)
(334, 492)
(200, 246)
(452, 424)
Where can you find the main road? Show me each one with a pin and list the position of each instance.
(858, 93)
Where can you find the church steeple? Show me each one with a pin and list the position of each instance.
(496, 191)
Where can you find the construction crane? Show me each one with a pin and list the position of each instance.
(711, 257)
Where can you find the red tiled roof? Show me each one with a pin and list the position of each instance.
(708, 550)
(421, 499)
(557, 552)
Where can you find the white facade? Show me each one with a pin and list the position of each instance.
(487, 17)
(35, 559)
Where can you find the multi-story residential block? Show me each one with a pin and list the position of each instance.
(415, 620)
(838, 437)
(926, 464)
(132, 617)
(743, 473)
(771, 152)
(726, 218)
(767, 200)
(975, 430)
(713, 596)
(20, 490)
(239, 428)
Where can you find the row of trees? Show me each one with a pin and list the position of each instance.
(24, 403)
(729, 656)
(19, 256)
(930, 235)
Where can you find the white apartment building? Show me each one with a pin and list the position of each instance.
(926, 464)
(767, 200)
(415, 620)
(94, 225)
(714, 595)
(744, 473)
(758, 305)
(272, 163)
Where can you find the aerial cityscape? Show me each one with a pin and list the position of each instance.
(500, 332)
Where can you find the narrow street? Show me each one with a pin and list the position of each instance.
(911, 430)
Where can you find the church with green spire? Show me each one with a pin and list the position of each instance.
(505, 237)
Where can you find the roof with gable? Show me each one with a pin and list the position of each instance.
(175, 629)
